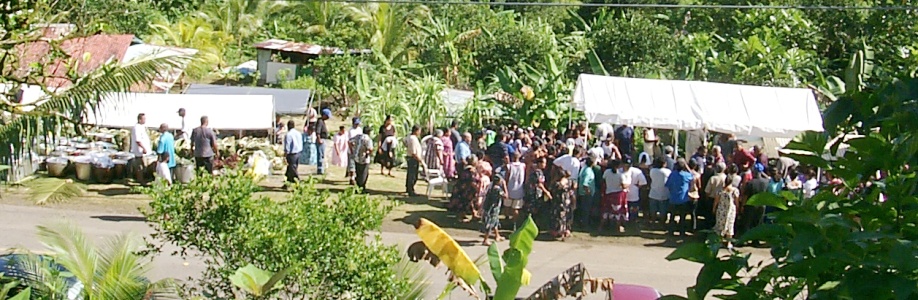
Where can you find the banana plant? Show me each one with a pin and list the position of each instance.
(509, 270)
(536, 97)
(256, 282)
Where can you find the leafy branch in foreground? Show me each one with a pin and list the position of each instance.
(51, 190)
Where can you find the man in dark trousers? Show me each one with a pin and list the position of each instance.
(413, 151)
(204, 146)
(751, 216)
(293, 145)
(321, 134)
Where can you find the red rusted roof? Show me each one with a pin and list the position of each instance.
(99, 49)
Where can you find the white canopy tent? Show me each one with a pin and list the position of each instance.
(225, 112)
(691, 105)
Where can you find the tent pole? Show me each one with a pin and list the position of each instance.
(676, 143)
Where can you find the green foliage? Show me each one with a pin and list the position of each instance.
(507, 43)
(851, 242)
(96, 15)
(114, 271)
(193, 31)
(550, 90)
(257, 282)
(643, 38)
(51, 190)
(321, 237)
(513, 275)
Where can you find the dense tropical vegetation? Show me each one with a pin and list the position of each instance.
(522, 63)
(468, 46)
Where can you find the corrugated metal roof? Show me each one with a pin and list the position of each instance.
(100, 49)
(296, 47)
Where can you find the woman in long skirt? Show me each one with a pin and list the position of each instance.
(449, 166)
(309, 156)
(497, 194)
(385, 153)
(562, 206)
(340, 144)
(464, 198)
(484, 173)
(725, 203)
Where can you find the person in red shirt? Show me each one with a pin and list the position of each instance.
(742, 157)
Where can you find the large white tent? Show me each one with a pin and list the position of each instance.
(226, 112)
(693, 105)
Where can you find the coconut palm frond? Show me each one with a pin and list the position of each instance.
(52, 190)
(114, 271)
(44, 280)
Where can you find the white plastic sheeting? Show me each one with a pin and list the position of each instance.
(692, 105)
(227, 112)
(286, 101)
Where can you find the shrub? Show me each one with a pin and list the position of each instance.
(322, 238)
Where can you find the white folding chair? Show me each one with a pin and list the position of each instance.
(435, 178)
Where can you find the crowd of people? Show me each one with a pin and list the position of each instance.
(499, 176)
(202, 140)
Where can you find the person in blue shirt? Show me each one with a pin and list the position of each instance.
(679, 206)
(166, 144)
(463, 150)
(293, 145)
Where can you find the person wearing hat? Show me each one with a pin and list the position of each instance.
(184, 133)
(321, 134)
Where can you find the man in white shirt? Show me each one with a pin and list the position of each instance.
(140, 145)
(659, 194)
(185, 132)
(604, 130)
(570, 162)
(811, 184)
(413, 147)
(638, 180)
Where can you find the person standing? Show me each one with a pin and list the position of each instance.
(184, 133)
(413, 147)
(361, 154)
(516, 178)
(586, 191)
(140, 146)
(463, 150)
(204, 146)
(447, 155)
(454, 135)
(355, 131)
(624, 136)
(339, 145)
(726, 200)
(742, 157)
(385, 152)
(659, 193)
(614, 204)
(678, 183)
(498, 153)
(714, 185)
(166, 146)
(321, 135)
(292, 148)
(638, 180)
(495, 196)
(650, 142)
(562, 206)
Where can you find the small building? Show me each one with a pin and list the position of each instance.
(291, 57)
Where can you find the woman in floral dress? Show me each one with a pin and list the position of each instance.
(535, 191)
(464, 198)
(562, 202)
(725, 203)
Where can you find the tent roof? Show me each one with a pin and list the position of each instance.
(693, 105)
(227, 112)
(286, 101)
(455, 100)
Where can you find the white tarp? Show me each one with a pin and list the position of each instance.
(455, 100)
(227, 112)
(692, 105)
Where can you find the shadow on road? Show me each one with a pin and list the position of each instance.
(120, 218)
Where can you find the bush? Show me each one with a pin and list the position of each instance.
(321, 237)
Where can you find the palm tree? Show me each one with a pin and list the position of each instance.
(192, 31)
(389, 27)
(113, 271)
(320, 16)
(242, 19)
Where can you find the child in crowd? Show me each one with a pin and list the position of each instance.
(496, 195)
(162, 169)
(515, 179)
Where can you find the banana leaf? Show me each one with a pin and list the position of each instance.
(449, 252)
(514, 273)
